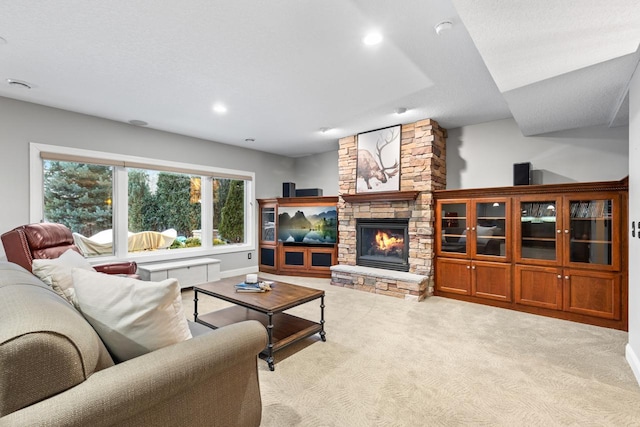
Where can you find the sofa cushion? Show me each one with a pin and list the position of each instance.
(46, 346)
(133, 317)
(57, 272)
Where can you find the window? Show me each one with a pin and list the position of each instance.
(80, 196)
(164, 210)
(127, 206)
(228, 211)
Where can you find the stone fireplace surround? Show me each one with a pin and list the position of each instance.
(422, 170)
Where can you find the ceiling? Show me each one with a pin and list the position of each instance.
(286, 69)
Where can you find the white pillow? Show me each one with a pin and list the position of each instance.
(133, 317)
(57, 272)
(483, 232)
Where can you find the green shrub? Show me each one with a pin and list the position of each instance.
(192, 242)
(176, 245)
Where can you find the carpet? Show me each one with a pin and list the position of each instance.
(442, 362)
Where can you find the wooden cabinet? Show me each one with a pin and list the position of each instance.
(578, 230)
(267, 256)
(472, 247)
(309, 258)
(538, 286)
(592, 293)
(491, 280)
(286, 251)
(565, 245)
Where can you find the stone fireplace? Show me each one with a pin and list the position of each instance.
(422, 170)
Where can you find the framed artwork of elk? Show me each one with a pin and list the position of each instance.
(378, 164)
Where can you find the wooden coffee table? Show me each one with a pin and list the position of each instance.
(266, 307)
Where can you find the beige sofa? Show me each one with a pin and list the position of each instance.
(55, 370)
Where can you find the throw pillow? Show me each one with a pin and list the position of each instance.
(133, 317)
(57, 272)
(484, 232)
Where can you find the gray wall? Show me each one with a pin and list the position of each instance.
(483, 155)
(633, 348)
(318, 171)
(22, 123)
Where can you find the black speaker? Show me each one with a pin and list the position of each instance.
(522, 173)
(288, 189)
(307, 192)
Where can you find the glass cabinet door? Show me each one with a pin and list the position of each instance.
(491, 228)
(268, 224)
(454, 228)
(538, 230)
(590, 234)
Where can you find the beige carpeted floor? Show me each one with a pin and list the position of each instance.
(441, 362)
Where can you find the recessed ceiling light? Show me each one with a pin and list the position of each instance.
(443, 26)
(324, 130)
(249, 140)
(372, 38)
(138, 122)
(219, 108)
(400, 110)
(19, 83)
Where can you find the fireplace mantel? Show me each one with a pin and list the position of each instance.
(383, 196)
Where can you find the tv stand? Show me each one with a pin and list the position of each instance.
(293, 258)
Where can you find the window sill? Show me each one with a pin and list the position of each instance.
(173, 254)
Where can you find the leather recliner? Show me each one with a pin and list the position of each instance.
(50, 240)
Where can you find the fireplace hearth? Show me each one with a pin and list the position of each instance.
(383, 243)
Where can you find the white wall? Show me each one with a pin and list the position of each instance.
(318, 171)
(483, 155)
(22, 123)
(633, 348)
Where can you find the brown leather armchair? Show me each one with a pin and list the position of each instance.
(49, 240)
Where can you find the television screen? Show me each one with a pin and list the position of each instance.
(308, 224)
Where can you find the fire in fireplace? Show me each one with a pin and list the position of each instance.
(383, 243)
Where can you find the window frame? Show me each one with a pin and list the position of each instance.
(38, 152)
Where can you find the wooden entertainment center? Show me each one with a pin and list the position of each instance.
(280, 253)
(556, 250)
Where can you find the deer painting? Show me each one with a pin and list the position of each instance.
(369, 167)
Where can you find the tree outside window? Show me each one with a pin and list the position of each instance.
(231, 226)
(79, 195)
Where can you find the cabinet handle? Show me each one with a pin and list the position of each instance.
(559, 231)
(468, 267)
(559, 276)
(467, 228)
(566, 277)
(473, 228)
(566, 231)
(473, 268)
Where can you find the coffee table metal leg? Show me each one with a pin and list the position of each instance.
(272, 366)
(323, 334)
(195, 305)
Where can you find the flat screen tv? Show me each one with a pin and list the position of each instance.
(313, 225)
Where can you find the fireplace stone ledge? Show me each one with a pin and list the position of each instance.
(409, 286)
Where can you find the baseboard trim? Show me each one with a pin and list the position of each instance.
(238, 272)
(634, 361)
